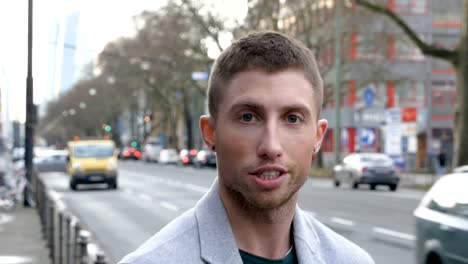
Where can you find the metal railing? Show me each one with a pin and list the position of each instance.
(67, 240)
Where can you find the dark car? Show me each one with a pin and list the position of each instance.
(54, 161)
(130, 153)
(187, 157)
(442, 222)
(205, 158)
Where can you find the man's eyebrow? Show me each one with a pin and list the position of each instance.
(247, 104)
(297, 108)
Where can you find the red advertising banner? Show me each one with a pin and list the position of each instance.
(409, 114)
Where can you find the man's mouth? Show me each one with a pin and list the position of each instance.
(268, 175)
(269, 172)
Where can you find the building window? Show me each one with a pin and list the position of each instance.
(438, 98)
(441, 90)
(444, 41)
(366, 47)
(409, 93)
(401, 48)
(447, 14)
(408, 7)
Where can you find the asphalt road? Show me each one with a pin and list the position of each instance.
(151, 195)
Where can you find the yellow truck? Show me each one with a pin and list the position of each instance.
(92, 161)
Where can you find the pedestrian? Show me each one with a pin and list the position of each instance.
(264, 99)
(441, 163)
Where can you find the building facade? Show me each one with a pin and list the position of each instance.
(394, 99)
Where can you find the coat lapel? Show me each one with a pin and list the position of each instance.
(217, 243)
(306, 240)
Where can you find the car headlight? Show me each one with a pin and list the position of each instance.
(112, 166)
(77, 167)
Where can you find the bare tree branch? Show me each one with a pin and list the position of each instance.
(430, 50)
(201, 22)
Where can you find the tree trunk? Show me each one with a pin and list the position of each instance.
(461, 107)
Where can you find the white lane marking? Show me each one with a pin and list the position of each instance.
(174, 183)
(342, 221)
(392, 233)
(145, 197)
(196, 188)
(169, 206)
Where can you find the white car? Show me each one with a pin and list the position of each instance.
(461, 169)
(367, 168)
(168, 156)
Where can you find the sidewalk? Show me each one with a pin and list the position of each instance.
(21, 238)
(20, 234)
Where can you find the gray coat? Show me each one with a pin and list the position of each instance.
(203, 235)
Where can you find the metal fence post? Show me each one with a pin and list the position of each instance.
(60, 237)
(83, 241)
(76, 252)
(51, 233)
(68, 238)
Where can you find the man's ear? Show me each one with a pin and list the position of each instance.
(322, 125)
(207, 127)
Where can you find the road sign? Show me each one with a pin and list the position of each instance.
(369, 95)
(368, 137)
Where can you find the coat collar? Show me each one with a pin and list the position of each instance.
(216, 238)
(217, 241)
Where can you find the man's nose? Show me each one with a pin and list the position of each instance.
(270, 144)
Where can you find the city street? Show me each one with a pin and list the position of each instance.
(151, 195)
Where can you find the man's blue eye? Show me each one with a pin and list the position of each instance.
(247, 117)
(293, 119)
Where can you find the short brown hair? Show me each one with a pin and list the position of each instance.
(268, 51)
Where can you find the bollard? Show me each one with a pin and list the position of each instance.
(68, 238)
(100, 258)
(60, 237)
(84, 238)
(51, 233)
(76, 252)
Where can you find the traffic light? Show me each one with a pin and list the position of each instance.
(134, 144)
(108, 128)
(147, 119)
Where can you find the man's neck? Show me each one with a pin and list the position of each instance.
(262, 232)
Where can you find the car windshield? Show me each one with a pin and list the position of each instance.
(93, 151)
(375, 158)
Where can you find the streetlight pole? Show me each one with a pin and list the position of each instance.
(337, 130)
(30, 109)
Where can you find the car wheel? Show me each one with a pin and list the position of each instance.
(112, 184)
(393, 187)
(73, 185)
(372, 186)
(337, 184)
(355, 185)
(433, 258)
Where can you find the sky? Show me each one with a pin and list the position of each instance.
(99, 23)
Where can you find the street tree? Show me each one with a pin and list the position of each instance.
(457, 57)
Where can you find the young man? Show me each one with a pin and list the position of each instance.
(264, 99)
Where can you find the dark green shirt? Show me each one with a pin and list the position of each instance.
(248, 258)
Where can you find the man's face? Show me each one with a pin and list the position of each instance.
(265, 136)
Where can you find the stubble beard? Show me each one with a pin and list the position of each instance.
(253, 205)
